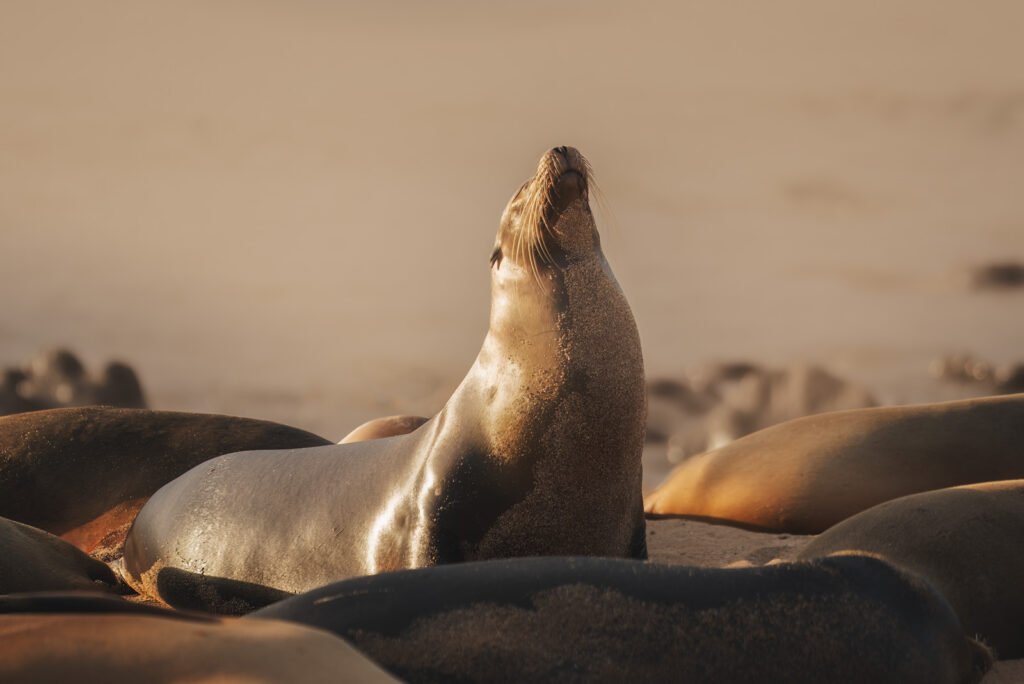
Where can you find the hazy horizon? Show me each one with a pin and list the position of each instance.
(285, 210)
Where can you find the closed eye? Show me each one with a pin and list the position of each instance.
(496, 256)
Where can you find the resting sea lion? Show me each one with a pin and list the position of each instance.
(34, 560)
(379, 428)
(967, 541)
(838, 619)
(83, 473)
(84, 639)
(806, 475)
(536, 453)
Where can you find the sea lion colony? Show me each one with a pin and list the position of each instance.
(536, 454)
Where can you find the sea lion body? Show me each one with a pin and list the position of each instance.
(388, 426)
(806, 475)
(841, 619)
(87, 639)
(83, 473)
(34, 560)
(966, 541)
(536, 453)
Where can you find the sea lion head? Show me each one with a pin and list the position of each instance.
(548, 222)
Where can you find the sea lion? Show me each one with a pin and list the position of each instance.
(34, 560)
(965, 540)
(83, 639)
(379, 428)
(536, 453)
(837, 619)
(85, 601)
(83, 473)
(806, 475)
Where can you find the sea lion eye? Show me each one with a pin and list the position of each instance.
(496, 256)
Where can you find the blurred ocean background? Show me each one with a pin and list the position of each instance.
(284, 210)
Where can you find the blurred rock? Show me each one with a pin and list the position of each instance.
(11, 400)
(119, 386)
(967, 369)
(718, 403)
(1010, 379)
(961, 368)
(998, 276)
(56, 378)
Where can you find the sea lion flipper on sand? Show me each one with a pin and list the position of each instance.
(536, 453)
(35, 560)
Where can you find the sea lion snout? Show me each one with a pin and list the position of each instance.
(564, 172)
(560, 160)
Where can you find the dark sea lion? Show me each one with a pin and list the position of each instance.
(536, 453)
(86, 601)
(379, 428)
(967, 541)
(83, 473)
(34, 560)
(134, 646)
(838, 619)
(806, 475)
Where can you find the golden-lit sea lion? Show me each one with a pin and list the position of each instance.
(806, 475)
(839, 619)
(83, 473)
(34, 560)
(536, 453)
(967, 541)
(379, 428)
(104, 644)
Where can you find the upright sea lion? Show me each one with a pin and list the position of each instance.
(34, 560)
(536, 453)
(83, 473)
(83, 639)
(838, 619)
(967, 541)
(806, 475)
